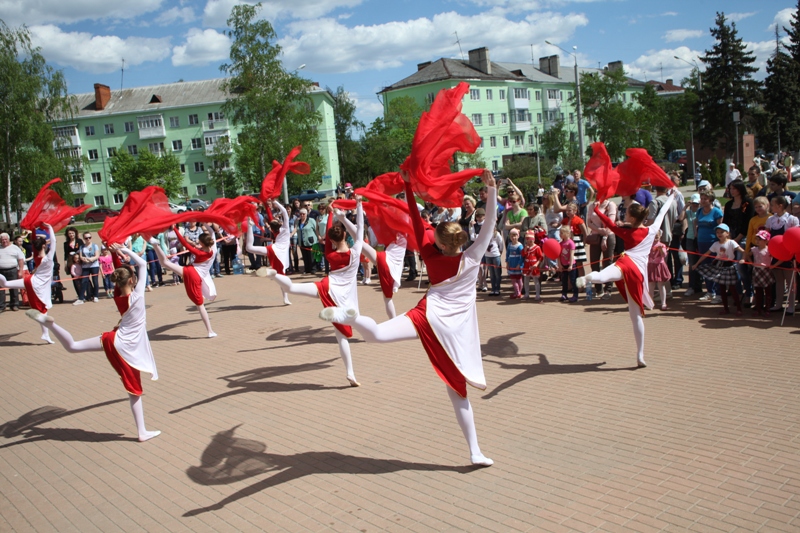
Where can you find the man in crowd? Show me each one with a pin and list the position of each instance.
(12, 266)
(754, 180)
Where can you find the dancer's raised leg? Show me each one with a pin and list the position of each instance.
(93, 344)
(397, 329)
(466, 420)
(609, 274)
(11, 284)
(347, 359)
(206, 321)
(162, 258)
(138, 416)
(635, 313)
(286, 285)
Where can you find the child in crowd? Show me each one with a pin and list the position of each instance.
(723, 269)
(491, 259)
(76, 271)
(566, 265)
(782, 271)
(514, 263)
(762, 275)
(657, 270)
(475, 226)
(174, 258)
(579, 231)
(532, 259)
(106, 269)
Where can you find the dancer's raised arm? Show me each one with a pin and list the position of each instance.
(141, 269)
(284, 214)
(51, 252)
(249, 247)
(186, 243)
(478, 248)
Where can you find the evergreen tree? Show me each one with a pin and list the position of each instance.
(728, 87)
(782, 92)
(794, 35)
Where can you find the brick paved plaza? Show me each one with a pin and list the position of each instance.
(261, 431)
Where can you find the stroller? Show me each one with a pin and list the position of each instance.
(56, 287)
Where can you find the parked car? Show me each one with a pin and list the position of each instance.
(99, 214)
(308, 194)
(177, 208)
(196, 204)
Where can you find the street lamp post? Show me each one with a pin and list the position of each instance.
(538, 169)
(696, 66)
(577, 98)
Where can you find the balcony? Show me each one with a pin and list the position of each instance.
(151, 127)
(211, 139)
(215, 125)
(521, 125)
(62, 141)
(518, 102)
(78, 187)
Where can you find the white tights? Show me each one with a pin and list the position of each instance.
(611, 274)
(400, 329)
(20, 284)
(310, 290)
(178, 269)
(95, 344)
(388, 303)
(662, 291)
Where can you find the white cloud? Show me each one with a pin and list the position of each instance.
(367, 108)
(783, 19)
(649, 66)
(673, 36)
(176, 14)
(201, 48)
(736, 17)
(328, 46)
(669, 14)
(216, 12)
(33, 12)
(96, 53)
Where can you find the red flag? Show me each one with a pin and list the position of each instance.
(640, 168)
(387, 217)
(600, 173)
(344, 205)
(237, 210)
(49, 208)
(273, 182)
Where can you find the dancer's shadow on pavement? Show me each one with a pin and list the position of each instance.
(28, 424)
(503, 346)
(229, 459)
(302, 336)
(159, 333)
(254, 381)
(5, 340)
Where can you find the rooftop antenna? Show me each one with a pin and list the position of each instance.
(661, 65)
(122, 74)
(458, 42)
(532, 63)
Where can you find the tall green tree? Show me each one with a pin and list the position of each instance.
(554, 141)
(728, 87)
(271, 105)
(33, 99)
(135, 173)
(388, 140)
(220, 174)
(349, 131)
(782, 92)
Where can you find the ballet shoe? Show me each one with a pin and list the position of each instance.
(581, 283)
(211, 334)
(353, 382)
(47, 339)
(261, 272)
(339, 315)
(149, 435)
(41, 318)
(265, 272)
(479, 459)
(286, 301)
(640, 363)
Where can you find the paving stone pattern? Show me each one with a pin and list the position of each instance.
(262, 433)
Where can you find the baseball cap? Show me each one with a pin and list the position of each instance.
(763, 235)
(724, 227)
(732, 164)
(704, 183)
(695, 198)
(348, 185)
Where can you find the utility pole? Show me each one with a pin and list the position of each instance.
(577, 98)
(538, 169)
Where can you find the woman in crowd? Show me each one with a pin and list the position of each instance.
(737, 214)
(706, 221)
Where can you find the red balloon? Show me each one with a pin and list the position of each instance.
(778, 250)
(552, 249)
(791, 240)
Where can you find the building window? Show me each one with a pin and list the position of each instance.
(502, 94)
(481, 142)
(185, 191)
(530, 140)
(539, 118)
(538, 95)
(133, 149)
(489, 95)
(518, 140)
(99, 200)
(65, 131)
(156, 148)
(111, 151)
(572, 136)
(92, 155)
(572, 118)
(217, 115)
(503, 118)
(569, 95)
(505, 141)
(154, 121)
(429, 98)
(201, 190)
(491, 119)
(553, 94)
(183, 168)
(561, 115)
(624, 98)
(119, 198)
(77, 202)
(129, 127)
(96, 177)
(109, 129)
(197, 143)
(174, 122)
(522, 115)
(493, 141)
(520, 93)
(477, 119)
(177, 146)
(89, 131)
(494, 165)
(474, 94)
(199, 166)
(193, 120)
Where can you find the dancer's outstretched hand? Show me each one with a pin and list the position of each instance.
(488, 178)
(405, 175)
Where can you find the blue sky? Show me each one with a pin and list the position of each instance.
(365, 45)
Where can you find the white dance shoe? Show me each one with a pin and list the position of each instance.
(339, 315)
(265, 272)
(480, 460)
(581, 283)
(41, 318)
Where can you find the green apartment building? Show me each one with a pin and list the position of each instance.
(185, 118)
(510, 104)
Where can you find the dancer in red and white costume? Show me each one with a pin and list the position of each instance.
(37, 285)
(127, 346)
(630, 270)
(197, 278)
(390, 269)
(445, 320)
(340, 287)
(278, 251)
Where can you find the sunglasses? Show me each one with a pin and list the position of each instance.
(87, 236)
